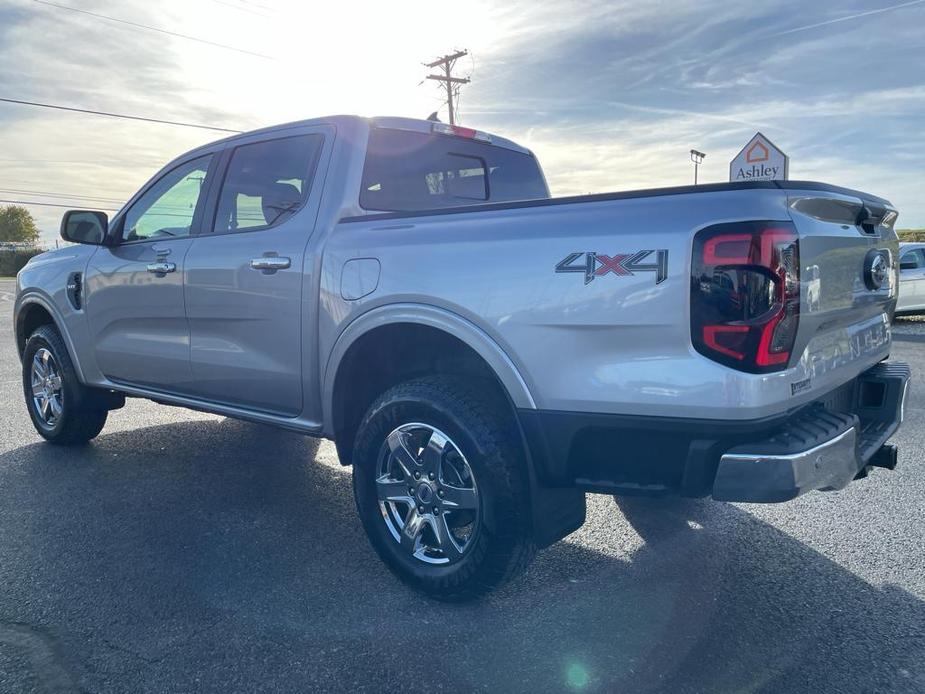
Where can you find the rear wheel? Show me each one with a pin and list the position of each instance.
(441, 488)
(62, 409)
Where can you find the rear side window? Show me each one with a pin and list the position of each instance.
(266, 183)
(409, 171)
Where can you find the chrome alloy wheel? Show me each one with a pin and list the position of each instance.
(47, 394)
(427, 494)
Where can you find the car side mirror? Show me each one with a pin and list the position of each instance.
(907, 266)
(85, 226)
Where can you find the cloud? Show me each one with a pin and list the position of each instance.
(842, 102)
(849, 18)
(611, 95)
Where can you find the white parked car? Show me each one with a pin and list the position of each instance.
(911, 278)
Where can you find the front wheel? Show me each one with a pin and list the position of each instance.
(441, 488)
(61, 408)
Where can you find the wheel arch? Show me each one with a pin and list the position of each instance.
(443, 327)
(34, 310)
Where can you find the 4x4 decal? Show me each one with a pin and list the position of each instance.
(593, 265)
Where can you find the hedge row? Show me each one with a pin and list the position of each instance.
(11, 262)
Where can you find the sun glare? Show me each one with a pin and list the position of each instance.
(372, 65)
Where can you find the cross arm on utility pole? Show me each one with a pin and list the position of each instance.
(455, 80)
(448, 58)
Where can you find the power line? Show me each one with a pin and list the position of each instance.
(458, 87)
(94, 207)
(116, 115)
(62, 161)
(137, 25)
(452, 84)
(47, 204)
(43, 194)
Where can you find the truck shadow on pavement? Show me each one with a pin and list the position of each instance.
(219, 556)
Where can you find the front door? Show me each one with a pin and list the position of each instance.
(246, 271)
(911, 280)
(135, 305)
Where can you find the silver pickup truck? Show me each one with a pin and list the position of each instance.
(481, 354)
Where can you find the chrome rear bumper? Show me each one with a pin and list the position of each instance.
(819, 449)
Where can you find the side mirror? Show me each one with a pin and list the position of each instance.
(85, 226)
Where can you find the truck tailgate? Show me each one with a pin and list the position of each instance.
(848, 262)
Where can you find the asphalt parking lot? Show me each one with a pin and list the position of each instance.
(185, 552)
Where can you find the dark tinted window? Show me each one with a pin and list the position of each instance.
(266, 183)
(913, 256)
(408, 171)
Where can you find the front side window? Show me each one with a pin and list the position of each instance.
(167, 208)
(266, 183)
(913, 259)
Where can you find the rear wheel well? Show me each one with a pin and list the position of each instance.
(392, 354)
(31, 318)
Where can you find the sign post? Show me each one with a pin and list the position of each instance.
(759, 160)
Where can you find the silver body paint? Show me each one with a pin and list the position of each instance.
(220, 336)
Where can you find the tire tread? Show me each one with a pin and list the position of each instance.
(80, 424)
(487, 421)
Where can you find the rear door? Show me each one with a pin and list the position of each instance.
(246, 270)
(135, 306)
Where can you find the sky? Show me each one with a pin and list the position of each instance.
(609, 95)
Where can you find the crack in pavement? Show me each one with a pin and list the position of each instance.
(169, 650)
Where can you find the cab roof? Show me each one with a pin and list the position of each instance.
(391, 122)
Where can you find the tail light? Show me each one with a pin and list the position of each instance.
(745, 294)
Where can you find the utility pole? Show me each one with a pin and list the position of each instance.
(450, 82)
(697, 158)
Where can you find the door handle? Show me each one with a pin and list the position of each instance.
(271, 263)
(161, 268)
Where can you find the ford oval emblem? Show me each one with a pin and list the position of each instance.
(876, 269)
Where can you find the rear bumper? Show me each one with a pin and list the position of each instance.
(820, 449)
(821, 446)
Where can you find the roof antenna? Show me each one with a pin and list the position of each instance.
(433, 117)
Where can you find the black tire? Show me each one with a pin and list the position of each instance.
(81, 417)
(501, 544)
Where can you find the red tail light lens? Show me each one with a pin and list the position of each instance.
(745, 294)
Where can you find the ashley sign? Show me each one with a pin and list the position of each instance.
(759, 160)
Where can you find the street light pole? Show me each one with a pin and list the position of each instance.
(697, 158)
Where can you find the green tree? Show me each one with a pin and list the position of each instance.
(17, 225)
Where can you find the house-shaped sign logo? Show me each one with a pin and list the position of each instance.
(757, 152)
(759, 160)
